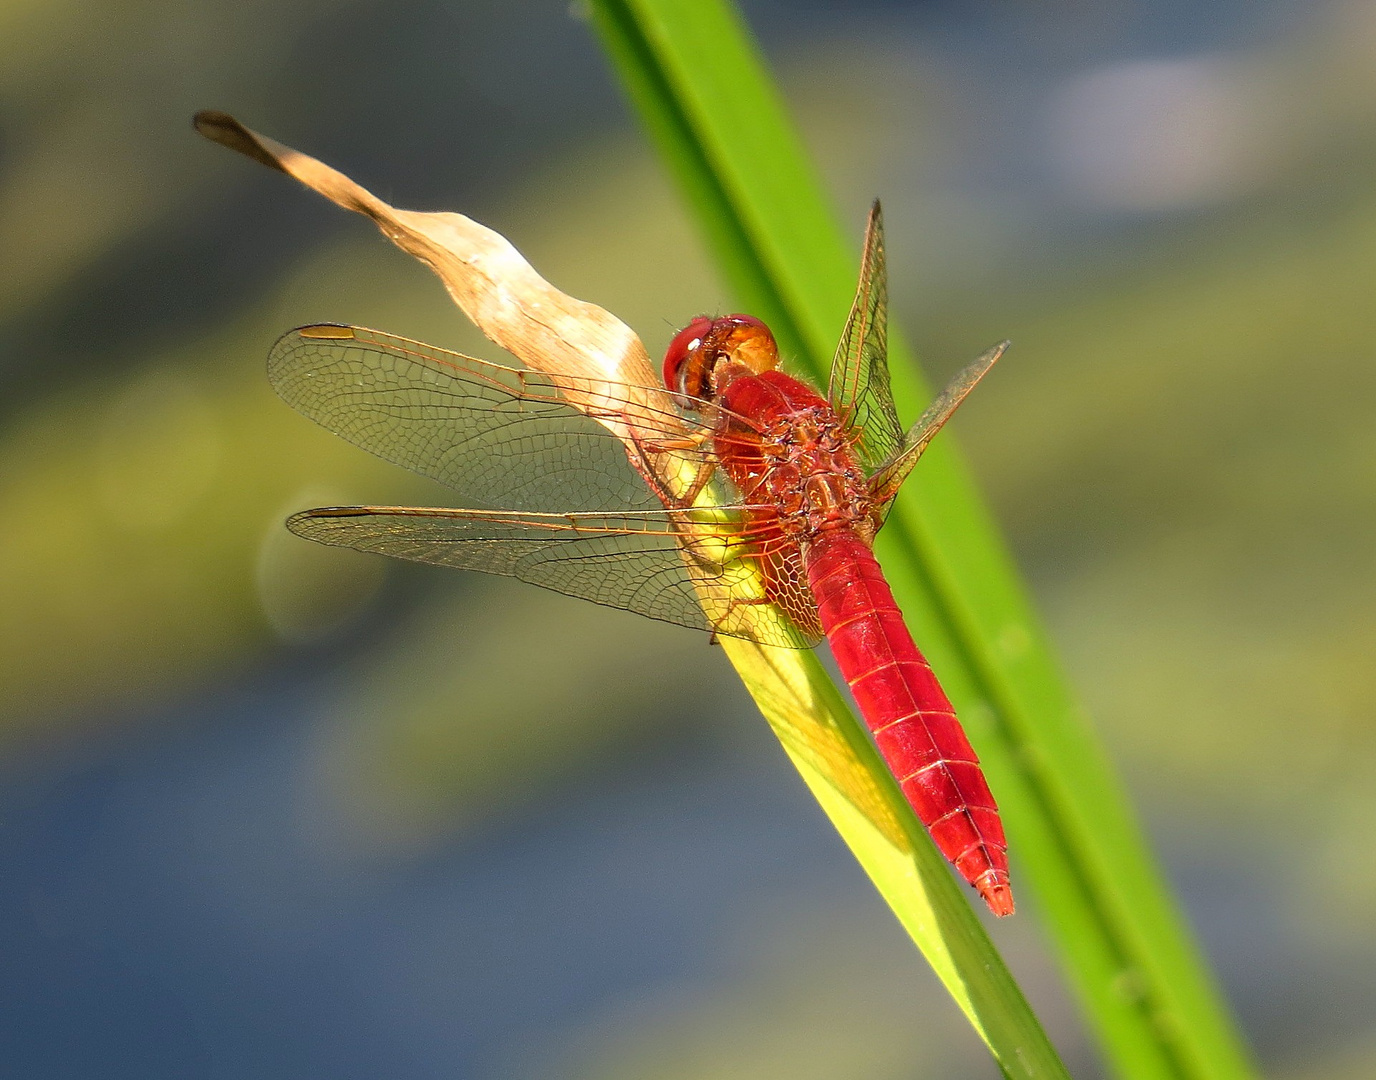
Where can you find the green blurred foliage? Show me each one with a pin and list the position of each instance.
(87, 90)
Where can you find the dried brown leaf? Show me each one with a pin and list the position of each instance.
(568, 339)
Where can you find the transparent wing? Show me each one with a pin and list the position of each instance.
(889, 477)
(859, 390)
(694, 568)
(503, 437)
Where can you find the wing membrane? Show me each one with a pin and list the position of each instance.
(503, 437)
(678, 566)
(884, 484)
(859, 390)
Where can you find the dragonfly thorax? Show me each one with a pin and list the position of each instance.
(799, 462)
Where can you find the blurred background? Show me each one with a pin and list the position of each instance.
(274, 810)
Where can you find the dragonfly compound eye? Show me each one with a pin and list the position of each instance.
(685, 365)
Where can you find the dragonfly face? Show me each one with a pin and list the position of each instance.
(703, 355)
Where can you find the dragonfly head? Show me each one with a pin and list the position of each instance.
(699, 358)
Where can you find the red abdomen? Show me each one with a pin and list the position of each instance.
(913, 722)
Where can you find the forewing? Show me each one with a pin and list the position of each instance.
(692, 568)
(885, 482)
(503, 437)
(859, 389)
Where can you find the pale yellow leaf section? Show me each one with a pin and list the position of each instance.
(842, 770)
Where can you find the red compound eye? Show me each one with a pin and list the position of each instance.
(680, 375)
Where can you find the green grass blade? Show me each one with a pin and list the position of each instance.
(701, 88)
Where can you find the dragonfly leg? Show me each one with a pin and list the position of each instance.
(695, 489)
(731, 605)
(649, 449)
(691, 441)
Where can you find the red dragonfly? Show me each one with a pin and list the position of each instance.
(764, 531)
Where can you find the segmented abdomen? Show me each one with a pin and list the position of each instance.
(913, 722)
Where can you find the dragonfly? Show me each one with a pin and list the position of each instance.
(743, 503)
